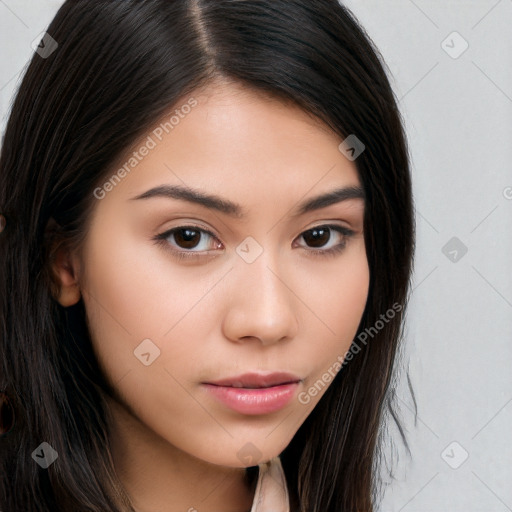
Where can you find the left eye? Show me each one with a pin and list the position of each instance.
(187, 238)
(321, 235)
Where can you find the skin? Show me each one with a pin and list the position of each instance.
(174, 445)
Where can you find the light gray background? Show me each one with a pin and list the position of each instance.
(458, 114)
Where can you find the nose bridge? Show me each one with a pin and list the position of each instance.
(263, 305)
(262, 275)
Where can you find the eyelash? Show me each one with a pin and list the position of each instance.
(161, 239)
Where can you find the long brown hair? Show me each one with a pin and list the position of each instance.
(117, 68)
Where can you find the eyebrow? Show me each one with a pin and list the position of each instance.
(232, 209)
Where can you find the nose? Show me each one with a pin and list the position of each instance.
(262, 304)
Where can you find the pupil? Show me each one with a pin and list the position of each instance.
(318, 235)
(187, 240)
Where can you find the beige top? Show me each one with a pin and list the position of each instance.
(271, 493)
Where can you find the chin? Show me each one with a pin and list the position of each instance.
(244, 454)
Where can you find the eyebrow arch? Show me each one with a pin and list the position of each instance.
(227, 207)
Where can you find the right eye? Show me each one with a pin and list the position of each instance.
(186, 238)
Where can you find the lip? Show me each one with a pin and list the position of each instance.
(255, 393)
(257, 380)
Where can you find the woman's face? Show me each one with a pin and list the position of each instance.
(263, 293)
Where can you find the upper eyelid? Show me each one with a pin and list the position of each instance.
(212, 231)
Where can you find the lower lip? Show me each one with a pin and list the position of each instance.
(254, 401)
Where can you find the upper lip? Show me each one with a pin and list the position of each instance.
(257, 380)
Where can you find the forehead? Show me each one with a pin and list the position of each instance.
(237, 143)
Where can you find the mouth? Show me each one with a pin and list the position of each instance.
(255, 393)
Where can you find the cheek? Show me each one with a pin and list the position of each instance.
(340, 293)
(134, 292)
(336, 300)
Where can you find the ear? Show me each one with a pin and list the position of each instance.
(65, 274)
(64, 270)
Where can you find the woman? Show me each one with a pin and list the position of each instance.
(206, 250)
